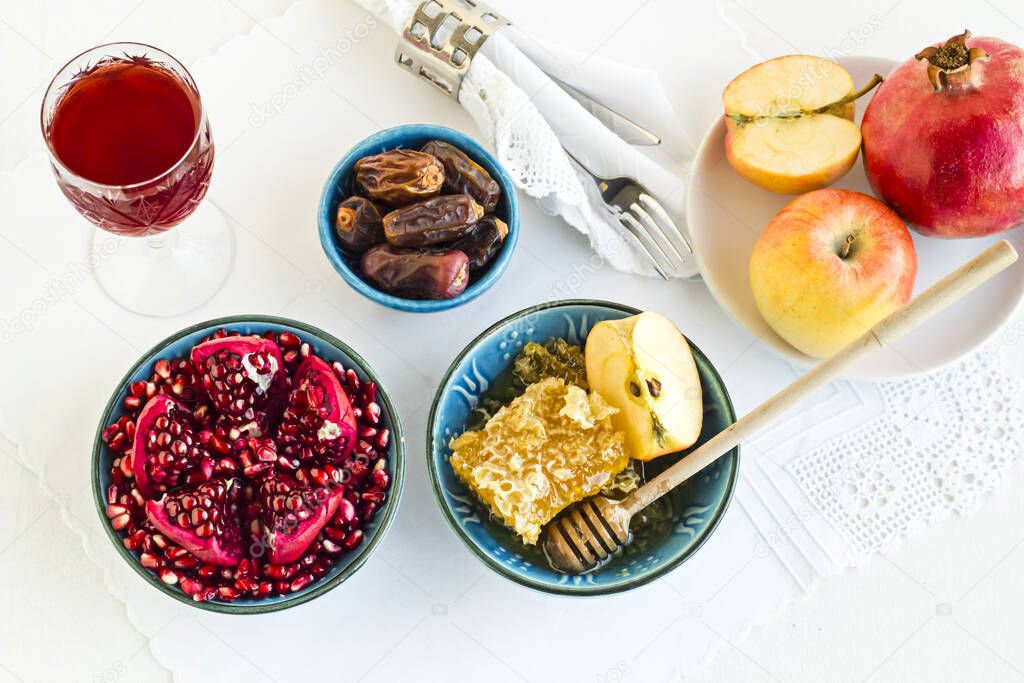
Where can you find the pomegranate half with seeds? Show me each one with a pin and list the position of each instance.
(248, 467)
(167, 452)
(244, 378)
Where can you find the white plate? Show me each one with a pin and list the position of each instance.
(726, 215)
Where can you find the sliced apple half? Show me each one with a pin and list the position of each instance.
(789, 123)
(643, 366)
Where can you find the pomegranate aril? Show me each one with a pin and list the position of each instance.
(150, 561)
(162, 368)
(289, 340)
(352, 379)
(346, 513)
(115, 511)
(300, 582)
(168, 576)
(369, 392)
(135, 541)
(373, 496)
(186, 563)
(227, 593)
(353, 539)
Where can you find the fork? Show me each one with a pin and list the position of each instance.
(644, 222)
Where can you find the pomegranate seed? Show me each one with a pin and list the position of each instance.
(109, 431)
(374, 496)
(115, 511)
(346, 513)
(227, 593)
(288, 340)
(353, 539)
(331, 547)
(256, 468)
(300, 582)
(304, 350)
(121, 521)
(383, 438)
(353, 380)
(135, 541)
(150, 561)
(186, 563)
(162, 367)
(118, 442)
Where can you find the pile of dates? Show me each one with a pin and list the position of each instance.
(422, 225)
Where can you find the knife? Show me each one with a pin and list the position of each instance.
(628, 130)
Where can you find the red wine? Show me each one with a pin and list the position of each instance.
(132, 123)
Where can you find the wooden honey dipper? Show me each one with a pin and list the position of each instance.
(589, 533)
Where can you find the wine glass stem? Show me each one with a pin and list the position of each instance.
(161, 243)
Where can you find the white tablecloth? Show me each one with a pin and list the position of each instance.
(901, 616)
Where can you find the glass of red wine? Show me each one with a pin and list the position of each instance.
(131, 148)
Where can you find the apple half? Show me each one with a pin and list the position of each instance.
(643, 366)
(789, 123)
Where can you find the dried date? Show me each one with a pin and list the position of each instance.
(482, 242)
(358, 225)
(416, 273)
(399, 176)
(432, 221)
(462, 175)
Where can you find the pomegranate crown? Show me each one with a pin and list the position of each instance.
(950, 64)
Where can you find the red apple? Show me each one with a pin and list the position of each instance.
(830, 265)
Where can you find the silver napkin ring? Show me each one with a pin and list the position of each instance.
(442, 36)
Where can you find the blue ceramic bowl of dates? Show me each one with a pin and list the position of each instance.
(341, 185)
(672, 530)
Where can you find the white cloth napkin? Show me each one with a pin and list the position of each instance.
(527, 118)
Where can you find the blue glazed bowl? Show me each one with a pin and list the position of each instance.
(327, 347)
(683, 519)
(341, 184)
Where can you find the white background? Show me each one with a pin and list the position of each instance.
(945, 607)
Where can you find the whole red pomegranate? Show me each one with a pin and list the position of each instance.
(944, 138)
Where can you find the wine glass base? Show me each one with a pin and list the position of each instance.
(170, 273)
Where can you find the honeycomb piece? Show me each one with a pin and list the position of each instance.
(548, 448)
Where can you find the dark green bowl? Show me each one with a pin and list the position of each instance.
(327, 347)
(688, 515)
